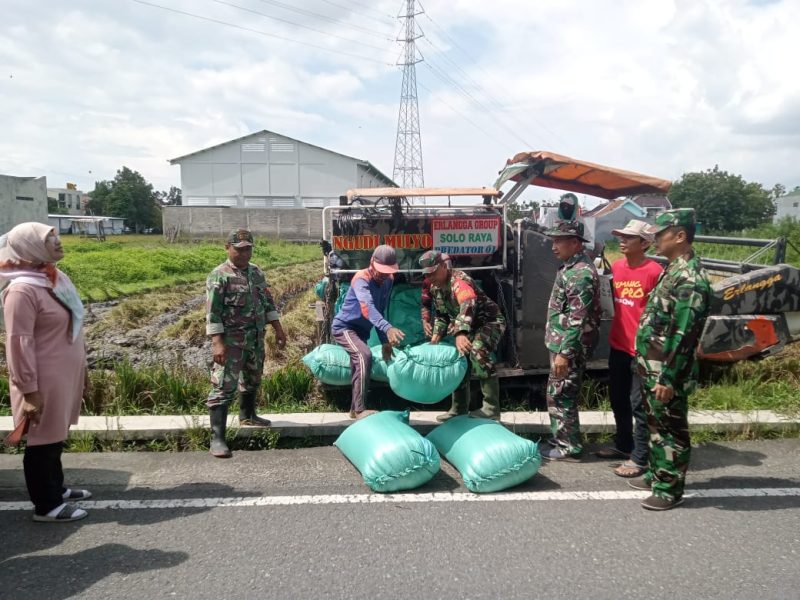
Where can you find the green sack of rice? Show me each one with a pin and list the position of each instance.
(389, 454)
(489, 457)
(380, 368)
(330, 364)
(404, 313)
(428, 373)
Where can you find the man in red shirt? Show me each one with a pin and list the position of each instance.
(635, 276)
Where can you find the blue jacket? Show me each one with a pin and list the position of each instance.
(364, 306)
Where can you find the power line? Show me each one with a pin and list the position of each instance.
(465, 117)
(316, 15)
(458, 87)
(259, 32)
(478, 88)
(350, 8)
(444, 33)
(295, 24)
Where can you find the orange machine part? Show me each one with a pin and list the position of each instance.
(765, 337)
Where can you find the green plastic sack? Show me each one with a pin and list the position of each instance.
(320, 287)
(427, 373)
(389, 454)
(380, 368)
(329, 363)
(337, 306)
(489, 457)
(404, 312)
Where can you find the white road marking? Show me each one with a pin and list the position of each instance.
(242, 501)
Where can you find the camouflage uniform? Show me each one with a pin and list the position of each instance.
(238, 305)
(668, 334)
(473, 313)
(426, 302)
(573, 319)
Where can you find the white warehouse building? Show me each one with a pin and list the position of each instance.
(268, 170)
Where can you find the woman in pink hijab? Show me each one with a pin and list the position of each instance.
(46, 358)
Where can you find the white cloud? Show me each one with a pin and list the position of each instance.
(658, 86)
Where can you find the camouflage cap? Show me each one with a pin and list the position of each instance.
(432, 259)
(567, 229)
(673, 218)
(240, 238)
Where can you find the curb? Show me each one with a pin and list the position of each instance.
(299, 425)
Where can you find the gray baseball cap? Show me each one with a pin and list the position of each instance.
(384, 259)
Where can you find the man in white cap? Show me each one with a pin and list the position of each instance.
(634, 278)
(363, 308)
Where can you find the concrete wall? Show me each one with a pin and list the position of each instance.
(266, 170)
(68, 199)
(22, 199)
(284, 223)
(787, 206)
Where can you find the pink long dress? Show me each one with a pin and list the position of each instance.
(42, 357)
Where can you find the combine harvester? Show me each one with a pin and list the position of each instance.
(755, 312)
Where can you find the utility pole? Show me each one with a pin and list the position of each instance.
(408, 147)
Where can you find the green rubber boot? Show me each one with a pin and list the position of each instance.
(218, 415)
(490, 388)
(247, 411)
(460, 404)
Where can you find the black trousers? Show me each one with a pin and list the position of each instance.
(44, 476)
(626, 402)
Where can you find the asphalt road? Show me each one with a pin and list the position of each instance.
(220, 534)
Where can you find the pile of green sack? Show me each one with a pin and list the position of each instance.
(425, 374)
(391, 456)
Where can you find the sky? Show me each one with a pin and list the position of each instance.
(661, 87)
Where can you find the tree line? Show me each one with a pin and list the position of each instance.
(130, 196)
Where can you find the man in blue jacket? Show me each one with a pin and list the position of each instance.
(363, 308)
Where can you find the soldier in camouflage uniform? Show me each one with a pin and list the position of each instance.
(669, 330)
(477, 324)
(573, 319)
(426, 301)
(238, 307)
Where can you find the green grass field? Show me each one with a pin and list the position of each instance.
(132, 264)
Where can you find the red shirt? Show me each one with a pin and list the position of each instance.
(632, 286)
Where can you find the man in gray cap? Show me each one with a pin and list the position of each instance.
(238, 307)
(573, 318)
(363, 308)
(634, 277)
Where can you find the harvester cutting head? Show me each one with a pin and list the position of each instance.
(752, 315)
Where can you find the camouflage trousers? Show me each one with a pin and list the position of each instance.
(670, 445)
(243, 368)
(484, 342)
(562, 404)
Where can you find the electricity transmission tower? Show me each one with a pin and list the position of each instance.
(408, 147)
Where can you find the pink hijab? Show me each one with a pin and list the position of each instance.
(23, 247)
(25, 242)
